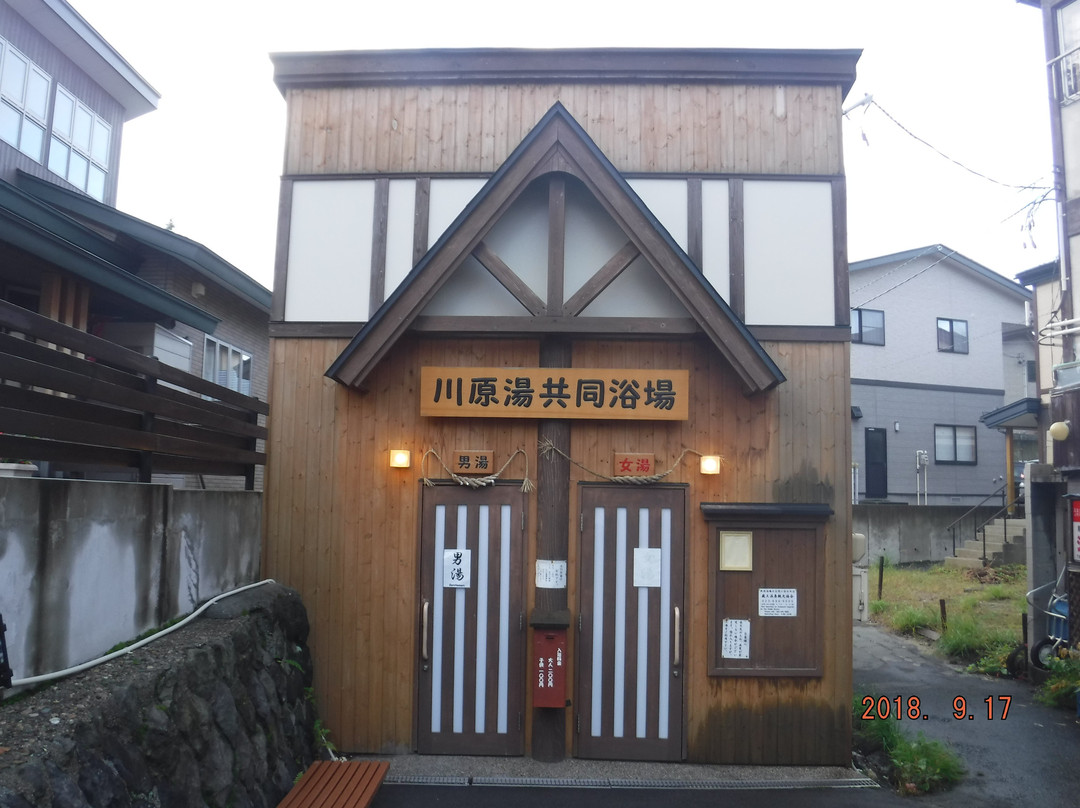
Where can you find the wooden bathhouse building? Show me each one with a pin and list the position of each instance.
(560, 440)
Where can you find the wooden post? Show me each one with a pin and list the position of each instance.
(880, 575)
(552, 544)
(944, 618)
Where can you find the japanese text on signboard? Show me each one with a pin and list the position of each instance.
(619, 393)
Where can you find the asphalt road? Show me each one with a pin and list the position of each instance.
(1027, 756)
(1017, 751)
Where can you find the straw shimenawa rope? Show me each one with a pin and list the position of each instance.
(548, 448)
(476, 482)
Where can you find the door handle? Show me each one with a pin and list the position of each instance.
(678, 638)
(425, 611)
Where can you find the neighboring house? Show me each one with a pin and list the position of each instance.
(572, 271)
(67, 253)
(939, 342)
(1055, 487)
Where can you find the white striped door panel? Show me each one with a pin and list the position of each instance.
(471, 682)
(629, 658)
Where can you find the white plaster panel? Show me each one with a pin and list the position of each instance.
(401, 222)
(637, 292)
(716, 235)
(789, 253)
(330, 250)
(667, 201)
(592, 238)
(473, 291)
(448, 197)
(520, 238)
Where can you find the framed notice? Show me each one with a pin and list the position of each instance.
(778, 602)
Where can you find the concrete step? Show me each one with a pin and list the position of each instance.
(957, 562)
(1002, 533)
(977, 546)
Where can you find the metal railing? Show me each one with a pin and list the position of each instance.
(1067, 70)
(954, 526)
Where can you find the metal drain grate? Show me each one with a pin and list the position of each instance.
(425, 780)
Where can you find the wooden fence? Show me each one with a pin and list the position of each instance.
(80, 401)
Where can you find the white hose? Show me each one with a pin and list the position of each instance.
(48, 677)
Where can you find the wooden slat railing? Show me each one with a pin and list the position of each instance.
(78, 400)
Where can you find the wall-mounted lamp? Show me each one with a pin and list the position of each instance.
(710, 464)
(399, 458)
(1059, 430)
(895, 426)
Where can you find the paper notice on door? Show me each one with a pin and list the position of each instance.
(550, 574)
(647, 566)
(777, 602)
(735, 643)
(457, 569)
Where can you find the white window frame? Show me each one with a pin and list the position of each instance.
(29, 119)
(212, 371)
(77, 162)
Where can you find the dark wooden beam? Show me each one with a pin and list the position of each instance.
(378, 245)
(556, 245)
(509, 279)
(552, 544)
(737, 247)
(589, 291)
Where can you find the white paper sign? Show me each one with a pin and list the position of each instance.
(735, 643)
(647, 566)
(550, 574)
(457, 569)
(777, 602)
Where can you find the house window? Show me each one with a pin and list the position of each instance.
(1068, 62)
(952, 335)
(868, 326)
(24, 102)
(954, 445)
(79, 148)
(228, 366)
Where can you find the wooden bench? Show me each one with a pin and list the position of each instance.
(337, 784)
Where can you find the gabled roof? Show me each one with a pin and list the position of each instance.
(41, 230)
(945, 253)
(558, 144)
(190, 253)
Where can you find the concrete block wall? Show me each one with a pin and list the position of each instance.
(86, 565)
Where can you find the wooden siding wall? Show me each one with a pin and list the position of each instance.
(342, 527)
(692, 128)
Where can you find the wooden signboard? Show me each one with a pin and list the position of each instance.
(598, 393)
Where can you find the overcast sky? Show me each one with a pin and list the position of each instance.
(965, 76)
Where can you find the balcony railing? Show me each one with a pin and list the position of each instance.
(1067, 74)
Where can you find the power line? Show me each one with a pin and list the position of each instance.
(869, 101)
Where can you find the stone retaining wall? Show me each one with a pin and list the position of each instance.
(218, 713)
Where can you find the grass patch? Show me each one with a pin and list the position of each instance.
(911, 765)
(983, 608)
(968, 638)
(909, 618)
(1059, 689)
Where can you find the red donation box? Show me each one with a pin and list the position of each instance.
(549, 671)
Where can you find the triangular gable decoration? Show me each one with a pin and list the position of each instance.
(556, 147)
